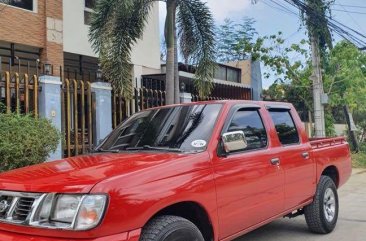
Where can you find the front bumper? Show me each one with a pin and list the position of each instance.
(128, 236)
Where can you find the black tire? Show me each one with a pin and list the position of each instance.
(319, 215)
(170, 228)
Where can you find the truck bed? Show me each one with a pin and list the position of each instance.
(332, 151)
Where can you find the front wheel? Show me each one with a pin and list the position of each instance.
(322, 215)
(171, 228)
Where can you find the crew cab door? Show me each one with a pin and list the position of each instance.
(295, 159)
(250, 186)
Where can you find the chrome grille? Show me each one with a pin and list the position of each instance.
(17, 207)
(23, 208)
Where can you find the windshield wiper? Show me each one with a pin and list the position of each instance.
(109, 150)
(154, 148)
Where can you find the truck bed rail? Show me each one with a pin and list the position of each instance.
(326, 142)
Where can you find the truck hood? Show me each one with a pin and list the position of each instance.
(80, 174)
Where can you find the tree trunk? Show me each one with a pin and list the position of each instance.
(176, 69)
(169, 38)
(351, 129)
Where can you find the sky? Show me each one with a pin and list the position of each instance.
(270, 20)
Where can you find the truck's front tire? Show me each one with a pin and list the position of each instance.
(322, 215)
(170, 228)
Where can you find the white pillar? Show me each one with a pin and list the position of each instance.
(103, 110)
(50, 106)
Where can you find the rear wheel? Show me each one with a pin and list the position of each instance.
(322, 215)
(171, 228)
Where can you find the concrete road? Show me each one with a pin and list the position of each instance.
(351, 223)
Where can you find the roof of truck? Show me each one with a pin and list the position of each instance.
(233, 102)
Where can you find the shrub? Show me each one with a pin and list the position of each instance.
(2, 108)
(359, 160)
(25, 140)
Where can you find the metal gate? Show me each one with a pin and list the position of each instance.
(19, 93)
(78, 110)
(142, 99)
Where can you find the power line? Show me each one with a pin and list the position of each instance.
(282, 8)
(338, 28)
(353, 19)
(343, 31)
(292, 35)
(346, 11)
(348, 6)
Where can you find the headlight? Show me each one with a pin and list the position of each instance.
(72, 212)
(65, 208)
(90, 212)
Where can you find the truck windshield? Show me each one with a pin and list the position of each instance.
(180, 128)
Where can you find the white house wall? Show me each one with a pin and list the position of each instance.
(146, 53)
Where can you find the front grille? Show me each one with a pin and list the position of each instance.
(17, 207)
(23, 209)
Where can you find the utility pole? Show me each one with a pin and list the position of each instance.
(318, 89)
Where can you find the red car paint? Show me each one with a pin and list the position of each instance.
(239, 192)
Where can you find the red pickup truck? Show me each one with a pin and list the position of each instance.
(204, 171)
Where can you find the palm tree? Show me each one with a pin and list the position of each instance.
(118, 24)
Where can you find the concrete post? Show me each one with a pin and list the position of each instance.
(103, 111)
(185, 97)
(50, 106)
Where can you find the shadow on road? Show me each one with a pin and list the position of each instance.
(279, 230)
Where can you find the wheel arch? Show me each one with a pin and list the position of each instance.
(333, 173)
(192, 211)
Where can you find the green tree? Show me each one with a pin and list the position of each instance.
(287, 64)
(345, 76)
(345, 82)
(118, 24)
(235, 41)
(240, 41)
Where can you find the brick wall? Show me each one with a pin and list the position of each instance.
(42, 29)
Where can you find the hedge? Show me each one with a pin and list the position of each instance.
(25, 140)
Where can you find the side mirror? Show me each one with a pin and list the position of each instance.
(234, 141)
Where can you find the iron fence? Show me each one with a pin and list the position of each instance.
(142, 99)
(78, 109)
(19, 92)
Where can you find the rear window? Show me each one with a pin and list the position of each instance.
(285, 127)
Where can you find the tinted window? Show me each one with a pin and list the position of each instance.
(26, 4)
(250, 122)
(88, 12)
(285, 127)
(90, 4)
(187, 128)
(87, 17)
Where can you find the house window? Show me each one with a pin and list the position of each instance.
(90, 4)
(223, 72)
(88, 11)
(25, 4)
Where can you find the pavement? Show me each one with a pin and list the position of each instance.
(351, 224)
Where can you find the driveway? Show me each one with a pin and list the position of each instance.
(351, 223)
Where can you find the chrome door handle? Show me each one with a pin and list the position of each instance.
(275, 161)
(305, 155)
